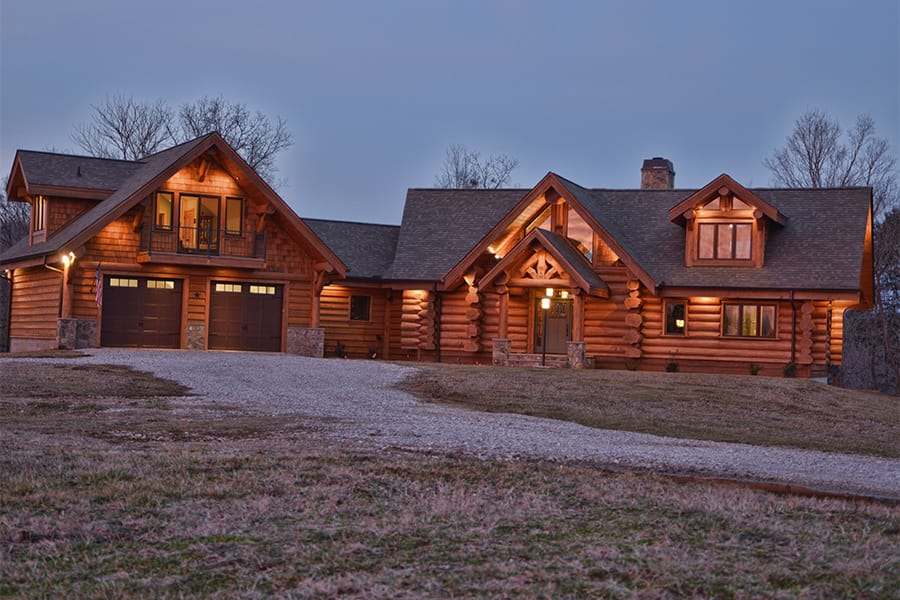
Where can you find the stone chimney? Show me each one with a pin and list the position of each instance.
(657, 174)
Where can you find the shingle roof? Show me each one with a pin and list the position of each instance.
(62, 170)
(367, 249)
(820, 247)
(440, 227)
(148, 169)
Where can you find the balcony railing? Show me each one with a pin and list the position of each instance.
(203, 241)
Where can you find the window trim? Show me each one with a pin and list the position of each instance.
(716, 224)
(759, 306)
(350, 312)
(39, 214)
(156, 212)
(665, 320)
(240, 230)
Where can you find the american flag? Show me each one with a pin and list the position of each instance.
(99, 285)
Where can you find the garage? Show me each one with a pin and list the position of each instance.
(141, 312)
(245, 316)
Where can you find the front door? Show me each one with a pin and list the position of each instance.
(559, 325)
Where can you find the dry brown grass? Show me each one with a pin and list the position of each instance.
(756, 410)
(136, 497)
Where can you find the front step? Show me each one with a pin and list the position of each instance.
(554, 361)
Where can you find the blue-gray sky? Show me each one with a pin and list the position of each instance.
(374, 92)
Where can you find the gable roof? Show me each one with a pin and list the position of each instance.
(569, 258)
(721, 185)
(150, 174)
(440, 226)
(366, 248)
(43, 172)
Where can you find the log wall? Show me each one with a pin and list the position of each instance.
(359, 338)
(35, 308)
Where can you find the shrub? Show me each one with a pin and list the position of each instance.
(755, 369)
(671, 367)
(790, 369)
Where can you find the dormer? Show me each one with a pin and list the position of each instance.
(725, 225)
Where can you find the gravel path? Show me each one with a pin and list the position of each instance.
(352, 400)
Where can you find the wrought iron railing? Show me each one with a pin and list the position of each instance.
(203, 241)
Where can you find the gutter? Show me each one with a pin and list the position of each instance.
(62, 283)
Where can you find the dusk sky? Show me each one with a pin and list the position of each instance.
(374, 92)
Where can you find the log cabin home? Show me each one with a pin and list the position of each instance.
(187, 248)
(720, 279)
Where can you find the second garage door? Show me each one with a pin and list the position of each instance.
(245, 316)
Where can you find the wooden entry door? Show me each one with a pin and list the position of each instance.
(559, 325)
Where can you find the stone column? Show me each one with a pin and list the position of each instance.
(576, 354)
(500, 357)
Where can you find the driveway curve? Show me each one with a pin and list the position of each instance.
(354, 400)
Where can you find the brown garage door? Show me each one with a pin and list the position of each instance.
(245, 316)
(141, 312)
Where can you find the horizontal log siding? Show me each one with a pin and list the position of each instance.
(35, 304)
(604, 318)
(519, 315)
(455, 329)
(356, 336)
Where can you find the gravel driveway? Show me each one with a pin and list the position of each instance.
(352, 400)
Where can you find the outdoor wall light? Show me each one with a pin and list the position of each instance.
(564, 294)
(545, 303)
(549, 292)
(68, 259)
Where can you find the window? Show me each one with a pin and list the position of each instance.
(724, 241)
(676, 314)
(749, 320)
(267, 290)
(360, 307)
(160, 284)
(164, 208)
(230, 288)
(39, 211)
(234, 213)
(581, 234)
(122, 282)
(199, 220)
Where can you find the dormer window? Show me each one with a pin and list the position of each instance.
(724, 241)
(39, 213)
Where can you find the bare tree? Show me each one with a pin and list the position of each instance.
(464, 169)
(818, 153)
(254, 136)
(122, 127)
(15, 219)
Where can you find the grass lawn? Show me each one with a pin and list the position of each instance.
(766, 411)
(146, 496)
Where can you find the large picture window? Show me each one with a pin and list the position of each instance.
(724, 241)
(748, 320)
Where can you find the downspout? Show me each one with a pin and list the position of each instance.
(437, 323)
(793, 330)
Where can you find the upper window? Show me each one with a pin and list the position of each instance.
(749, 320)
(360, 307)
(581, 233)
(164, 208)
(724, 241)
(39, 212)
(676, 314)
(234, 213)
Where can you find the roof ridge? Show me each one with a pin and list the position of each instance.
(342, 221)
(87, 156)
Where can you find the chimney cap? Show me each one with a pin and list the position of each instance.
(658, 162)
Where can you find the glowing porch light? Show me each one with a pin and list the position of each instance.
(545, 303)
(564, 294)
(549, 292)
(68, 259)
